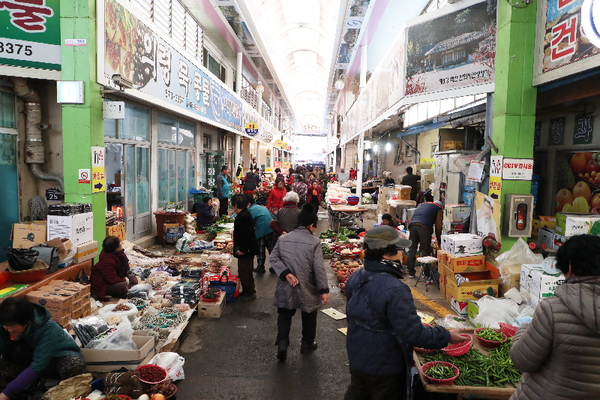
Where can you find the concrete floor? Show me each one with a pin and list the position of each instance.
(234, 357)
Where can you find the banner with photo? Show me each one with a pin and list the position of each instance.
(133, 50)
(451, 49)
(488, 216)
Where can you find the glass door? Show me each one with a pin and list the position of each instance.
(138, 221)
(9, 212)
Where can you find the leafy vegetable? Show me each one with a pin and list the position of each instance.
(225, 219)
(328, 234)
(326, 249)
(212, 231)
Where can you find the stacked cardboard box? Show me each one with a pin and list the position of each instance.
(462, 245)
(65, 300)
(78, 228)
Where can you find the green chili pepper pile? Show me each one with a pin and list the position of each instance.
(476, 369)
(491, 335)
(440, 372)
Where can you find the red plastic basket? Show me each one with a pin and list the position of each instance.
(421, 350)
(154, 366)
(434, 381)
(212, 300)
(488, 343)
(458, 349)
(507, 329)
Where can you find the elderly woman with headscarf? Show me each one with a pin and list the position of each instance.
(389, 181)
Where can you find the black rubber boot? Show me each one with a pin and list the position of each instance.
(282, 350)
(306, 348)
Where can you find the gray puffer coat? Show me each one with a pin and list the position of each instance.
(559, 351)
(299, 253)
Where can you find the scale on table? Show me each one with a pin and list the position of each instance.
(549, 266)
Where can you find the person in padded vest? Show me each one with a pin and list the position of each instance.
(426, 216)
(250, 182)
(383, 325)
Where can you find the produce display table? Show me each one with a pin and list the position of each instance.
(339, 212)
(464, 391)
(67, 273)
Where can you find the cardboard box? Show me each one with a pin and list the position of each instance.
(86, 307)
(472, 312)
(552, 239)
(76, 304)
(64, 291)
(571, 224)
(109, 360)
(462, 245)
(86, 251)
(442, 257)
(83, 289)
(479, 285)
(25, 236)
(50, 300)
(460, 307)
(78, 228)
(212, 310)
(526, 279)
(466, 264)
(62, 321)
(63, 245)
(172, 231)
(117, 230)
(56, 314)
(443, 283)
(542, 222)
(456, 212)
(511, 278)
(77, 313)
(543, 285)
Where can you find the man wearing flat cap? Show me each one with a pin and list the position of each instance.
(383, 325)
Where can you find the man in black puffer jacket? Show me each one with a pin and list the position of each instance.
(383, 325)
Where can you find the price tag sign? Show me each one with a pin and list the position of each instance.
(53, 194)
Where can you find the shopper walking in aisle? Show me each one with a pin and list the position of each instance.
(254, 164)
(245, 246)
(110, 276)
(250, 183)
(264, 234)
(204, 215)
(323, 178)
(275, 200)
(301, 188)
(223, 190)
(313, 197)
(298, 260)
(413, 181)
(426, 216)
(33, 347)
(559, 351)
(383, 325)
(286, 219)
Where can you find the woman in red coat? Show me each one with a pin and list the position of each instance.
(111, 275)
(313, 195)
(275, 200)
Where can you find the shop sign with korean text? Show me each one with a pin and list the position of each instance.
(562, 47)
(517, 169)
(495, 187)
(584, 128)
(130, 46)
(30, 33)
(98, 171)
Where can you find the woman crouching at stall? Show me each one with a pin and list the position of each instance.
(33, 346)
(110, 276)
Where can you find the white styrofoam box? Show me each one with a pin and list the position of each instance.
(526, 271)
(552, 239)
(543, 285)
(464, 245)
(574, 224)
(79, 228)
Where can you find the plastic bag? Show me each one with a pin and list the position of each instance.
(69, 258)
(172, 362)
(141, 290)
(119, 339)
(21, 259)
(452, 321)
(88, 328)
(107, 310)
(520, 253)
(493, 310)
(77, 386)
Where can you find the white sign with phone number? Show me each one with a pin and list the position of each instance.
(29, 51)
(517, 169)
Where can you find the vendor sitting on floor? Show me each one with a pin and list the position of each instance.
(33, 346)
(204, 216)
(111, 275)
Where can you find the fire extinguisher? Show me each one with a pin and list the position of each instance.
(521, 212)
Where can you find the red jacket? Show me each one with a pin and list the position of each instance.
(309, 193)
(275, 200)
(105, 274)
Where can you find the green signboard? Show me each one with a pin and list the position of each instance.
(30, 33)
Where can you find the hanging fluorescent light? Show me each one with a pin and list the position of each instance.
(375, 148)
(388, 146)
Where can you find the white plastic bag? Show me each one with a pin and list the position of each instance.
(520, 253)
(120, 339)
(452, 321)
(172, 362)
(107, 310)
(493, 310)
